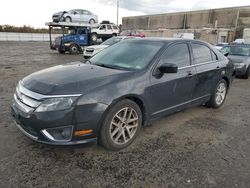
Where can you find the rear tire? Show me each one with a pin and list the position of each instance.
(219, 95)
(246, 75)
(73, 49)
(121, 125)
(93, 37)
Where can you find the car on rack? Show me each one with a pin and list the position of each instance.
(104, 30)
(132, 33)
(94, 49)
(110, 96)
(240, 57)
(75, 15)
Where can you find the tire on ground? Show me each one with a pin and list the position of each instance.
(212, 102)
(105, 131)
(247, 74)
(74, 49)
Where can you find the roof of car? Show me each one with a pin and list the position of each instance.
(167, 40)
(237, 45)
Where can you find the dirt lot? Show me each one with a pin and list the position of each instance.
(198, 147)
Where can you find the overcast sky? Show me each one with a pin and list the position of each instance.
(37, 12)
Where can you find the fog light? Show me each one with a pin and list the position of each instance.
(59, 134)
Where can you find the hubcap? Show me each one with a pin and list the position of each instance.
(67, 20)
(94, 38)
(220, 93)
(74, 49)
(124, 125)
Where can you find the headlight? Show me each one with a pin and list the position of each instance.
(56, 104)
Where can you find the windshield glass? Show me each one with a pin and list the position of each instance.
(128, 55)
(111, 41)
(237, 50)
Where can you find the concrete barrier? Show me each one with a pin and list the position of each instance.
(9, 36)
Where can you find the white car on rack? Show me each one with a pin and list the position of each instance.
(104, 31)
(75, 15)
(94, 49)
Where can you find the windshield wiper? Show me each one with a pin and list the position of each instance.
(107, 66)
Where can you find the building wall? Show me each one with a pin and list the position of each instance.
(223, 18)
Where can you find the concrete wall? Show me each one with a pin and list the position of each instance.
(223, 18)
(8, 36)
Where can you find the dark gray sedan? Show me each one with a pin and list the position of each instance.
(240, 57)
(125, 86)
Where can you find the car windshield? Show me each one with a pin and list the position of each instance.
(236, 50)
(127, 55)
(111, 41)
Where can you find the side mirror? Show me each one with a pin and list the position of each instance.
(226, 54)
(168, 68)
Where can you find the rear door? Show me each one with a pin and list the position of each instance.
(174, 90)
(208, 69)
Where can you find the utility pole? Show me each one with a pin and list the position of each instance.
(117, 13)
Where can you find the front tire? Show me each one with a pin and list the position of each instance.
(218, 97)
(68, 20)
(246, 75)
(73, 49)
(91, 21)
(121, 125)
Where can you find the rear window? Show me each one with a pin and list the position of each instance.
(201, 53)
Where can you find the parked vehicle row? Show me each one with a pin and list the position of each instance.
(123, 87)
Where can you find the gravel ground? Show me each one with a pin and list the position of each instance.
(198, 147)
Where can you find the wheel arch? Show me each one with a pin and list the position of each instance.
(135, 98)
(227, 81)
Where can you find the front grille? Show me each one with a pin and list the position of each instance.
(58, 41)
(26, 99)
(90, 50)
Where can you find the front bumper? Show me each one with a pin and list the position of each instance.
(59, 127)
(32, 126)
(240, 70)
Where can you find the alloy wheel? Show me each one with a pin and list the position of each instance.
(124, 125)
(220, 93)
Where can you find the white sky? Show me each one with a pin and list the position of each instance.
(36, 12)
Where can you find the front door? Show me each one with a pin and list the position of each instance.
(173, 90)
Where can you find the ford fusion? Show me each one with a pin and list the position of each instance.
(110, 96)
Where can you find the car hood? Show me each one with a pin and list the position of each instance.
(238, 59)
(59, 13)
(74, 78)
(97, 47)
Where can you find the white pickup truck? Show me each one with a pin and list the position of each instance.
(104, 31)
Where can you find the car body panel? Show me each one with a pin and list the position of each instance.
(99, 88)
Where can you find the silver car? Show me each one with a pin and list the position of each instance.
(94, 49)
(75, 15)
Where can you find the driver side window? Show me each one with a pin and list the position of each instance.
(177, 54)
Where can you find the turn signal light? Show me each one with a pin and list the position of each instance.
(83, 132)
